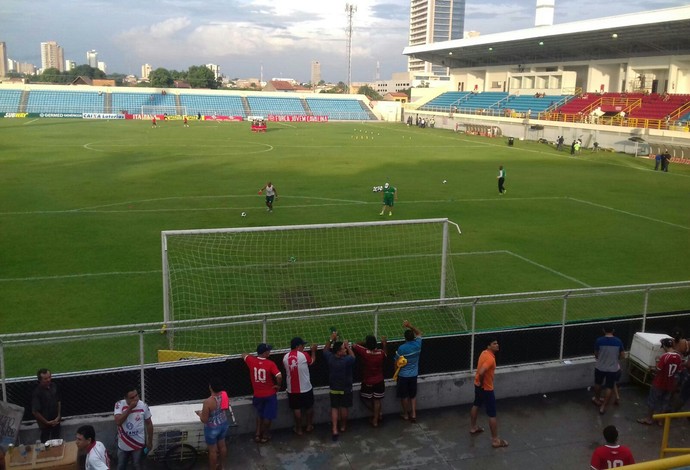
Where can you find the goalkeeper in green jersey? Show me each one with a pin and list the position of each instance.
(390, 195)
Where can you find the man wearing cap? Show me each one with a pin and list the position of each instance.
(299, 389)
(664, 382)
(266, 380)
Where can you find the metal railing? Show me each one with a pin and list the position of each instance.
(556, 325)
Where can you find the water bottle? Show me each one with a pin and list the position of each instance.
(38, 447)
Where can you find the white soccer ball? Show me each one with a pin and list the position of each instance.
(244, 214)
(445, 181)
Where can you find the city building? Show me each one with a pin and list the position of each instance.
(101, 66)
(70, 65)
(4, 64)
(146, 71)
(21, 67)
(433, 21)
(52, 56)
(315, 72)
(92, 58)
(215, 68)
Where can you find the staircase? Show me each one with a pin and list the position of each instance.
(24, 101)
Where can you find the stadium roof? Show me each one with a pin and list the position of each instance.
(644, 34)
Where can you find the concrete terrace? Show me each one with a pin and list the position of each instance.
(556, 431)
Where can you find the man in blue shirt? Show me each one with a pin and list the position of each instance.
(341, 361)
(407, 377)
(608, 351)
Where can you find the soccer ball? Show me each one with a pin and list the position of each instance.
(244, 214)
(445, 181)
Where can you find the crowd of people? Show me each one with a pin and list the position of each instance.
(669, 391)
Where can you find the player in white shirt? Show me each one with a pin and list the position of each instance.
(96, 455)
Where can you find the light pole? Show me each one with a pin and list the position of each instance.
(350, 9)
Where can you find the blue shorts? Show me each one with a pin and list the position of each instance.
(485, 398)
(407, 387)
(215, 434)
(266, 407)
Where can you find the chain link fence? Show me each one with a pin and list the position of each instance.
(94, 366)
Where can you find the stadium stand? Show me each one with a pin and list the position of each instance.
(260, 105)
(42, 101)
(488, 102)
(523, 104)
(213, 104)
(338, 109)
(446, 101)
(132, 102)
(9, 100)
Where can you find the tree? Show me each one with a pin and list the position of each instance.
(200, 76)
(370, 93)
(51, 75)
(161, 78)
(340, 88)
(86, 70)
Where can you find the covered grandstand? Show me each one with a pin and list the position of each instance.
(631, 72)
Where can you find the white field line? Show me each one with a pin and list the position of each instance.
(551, 270)
(329, 202)
(628, 213)
(368, 260)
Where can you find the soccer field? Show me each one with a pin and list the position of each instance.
(84, 203)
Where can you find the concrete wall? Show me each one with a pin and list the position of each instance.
(607, 136)
(434, 391)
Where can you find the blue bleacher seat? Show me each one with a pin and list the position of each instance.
(44, 101)
(132, 102)
(9, 100)
(340, 109)
(261, 105)
(213, 104)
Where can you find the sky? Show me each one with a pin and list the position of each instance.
(282, 37)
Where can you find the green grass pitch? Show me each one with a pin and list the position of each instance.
(83, 204)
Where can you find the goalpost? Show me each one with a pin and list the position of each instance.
(236, 287)
(151, 110)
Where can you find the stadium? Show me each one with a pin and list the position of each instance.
(90, 186)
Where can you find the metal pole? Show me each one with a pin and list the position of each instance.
(376, 323)
(2, 371)
(142, 359)
(264, 328)
(166, 291)
(563, 320)
(350, 10)
(473, 337)
(645, 307)
(444, 261)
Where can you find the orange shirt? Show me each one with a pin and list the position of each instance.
(487, 361)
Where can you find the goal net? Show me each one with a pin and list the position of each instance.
(225, 290)
(152, 110)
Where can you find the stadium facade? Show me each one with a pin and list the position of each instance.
(647, 51)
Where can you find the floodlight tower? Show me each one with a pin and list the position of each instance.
(350, 10)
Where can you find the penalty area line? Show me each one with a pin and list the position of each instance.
(82, 275)
(601, 206)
